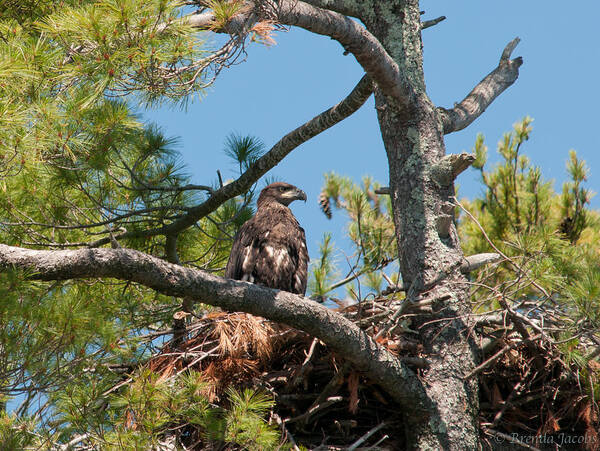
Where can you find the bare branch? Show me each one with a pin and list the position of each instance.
(365, 437)
(306, 415)
(433, 22)
(202, 20)
(116, 218)
(491, 360)
(336, 331)
(75, 441)
(278, 152)
(476, 261)
(484, 93)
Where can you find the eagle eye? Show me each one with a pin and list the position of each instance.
(282, 188)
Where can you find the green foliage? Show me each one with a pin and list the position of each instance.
(370, 229)
(244, 421)
(551, 239)
(28, 11)
(57, 72)
(79, 168)
(152, 406)
(244, 150)
(129, 47)
(516, 197)
(59, 126)
(323, 269)
(15, 433)
(224, 11)
(574, 199)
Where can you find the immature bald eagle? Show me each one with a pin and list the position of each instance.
(270, 248)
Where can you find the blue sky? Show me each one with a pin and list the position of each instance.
(278, 88)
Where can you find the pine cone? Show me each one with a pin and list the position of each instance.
(325, 205)
(566, 227)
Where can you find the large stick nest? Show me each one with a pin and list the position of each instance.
(322, 403)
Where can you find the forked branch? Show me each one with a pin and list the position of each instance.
(484, 93)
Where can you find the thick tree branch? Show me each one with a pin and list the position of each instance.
(367, 50)
(484, 93)
(343, 336)
(202, 20)
(474, 262)
(352, 9)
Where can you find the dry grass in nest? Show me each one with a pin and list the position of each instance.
(321, 400)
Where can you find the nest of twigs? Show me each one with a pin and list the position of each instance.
(321, 403)
(530, 396)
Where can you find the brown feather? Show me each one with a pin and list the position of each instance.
(270, 248)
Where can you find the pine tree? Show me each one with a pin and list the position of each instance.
(110, 256)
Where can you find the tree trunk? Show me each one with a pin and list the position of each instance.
(430, 254)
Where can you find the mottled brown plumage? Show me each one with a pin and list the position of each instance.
(270, 249)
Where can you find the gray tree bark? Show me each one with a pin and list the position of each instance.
(430, 254)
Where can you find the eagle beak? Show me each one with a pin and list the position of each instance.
(300, 195)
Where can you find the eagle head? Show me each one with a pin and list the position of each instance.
(282, 193)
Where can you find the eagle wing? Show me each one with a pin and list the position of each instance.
(270, 250)
(242, 245)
